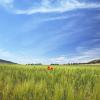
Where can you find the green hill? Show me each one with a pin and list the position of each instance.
(6, 62)
(94, 61)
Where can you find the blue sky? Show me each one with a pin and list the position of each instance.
(49, 31)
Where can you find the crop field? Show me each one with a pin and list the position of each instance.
(70, 82)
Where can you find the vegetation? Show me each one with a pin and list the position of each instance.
(69, 82)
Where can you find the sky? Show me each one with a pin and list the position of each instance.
(49, 31)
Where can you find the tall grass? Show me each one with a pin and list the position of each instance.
(19, 82)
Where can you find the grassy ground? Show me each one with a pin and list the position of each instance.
(79, 82)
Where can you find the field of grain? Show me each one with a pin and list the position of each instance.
(73, 82)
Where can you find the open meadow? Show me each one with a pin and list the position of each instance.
(70, 82)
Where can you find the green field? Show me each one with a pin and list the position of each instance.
(73, 82)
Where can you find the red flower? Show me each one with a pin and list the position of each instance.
(50, 68)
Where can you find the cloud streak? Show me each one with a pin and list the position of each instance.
(49, 6)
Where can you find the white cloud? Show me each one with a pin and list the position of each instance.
(4, 54)
(82, 56)
(46, 6)
(7, 55)
(62, 8)
(88, 54)
(20, 58)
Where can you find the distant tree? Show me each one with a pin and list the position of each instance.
(34, 64)
(54, 64)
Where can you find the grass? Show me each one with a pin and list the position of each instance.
(78, 82)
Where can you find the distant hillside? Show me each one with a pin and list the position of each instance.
(94, 61)
(6, 62)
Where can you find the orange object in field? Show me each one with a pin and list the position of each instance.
(50, 68)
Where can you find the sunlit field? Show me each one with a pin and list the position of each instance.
(70, 82)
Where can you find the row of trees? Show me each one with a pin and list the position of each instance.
(58, 64)
(35, 64)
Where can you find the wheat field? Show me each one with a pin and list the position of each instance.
(70, 82)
